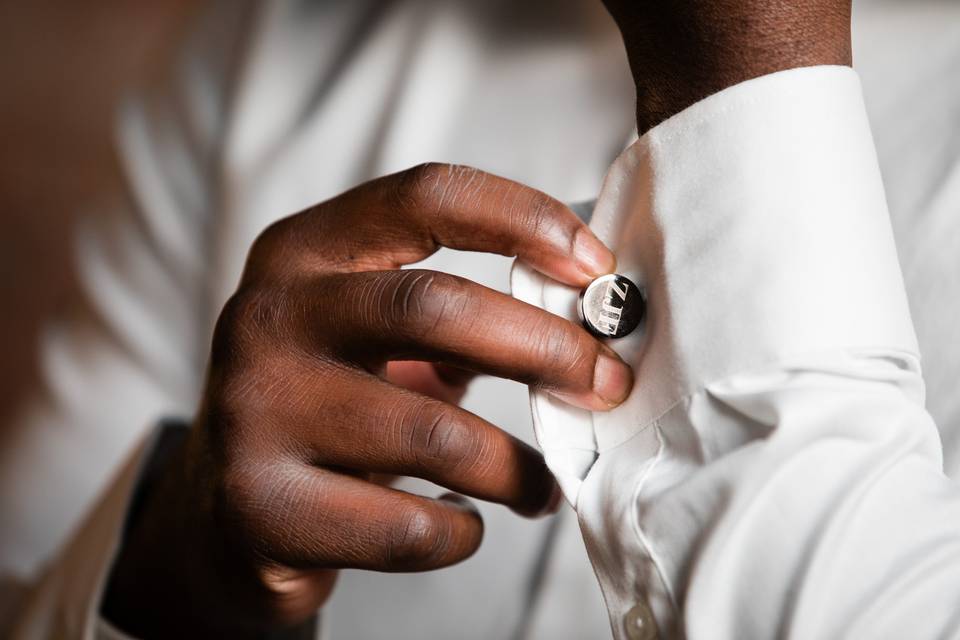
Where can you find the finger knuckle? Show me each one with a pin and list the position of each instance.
(273, 247)
(421, 300)
(256, 316)
(437, 438)
(429, 186)
(464, 183)
(542, 214)
(416, 187)
(273, 235)
(241, 319)
(247, 360)
(565, 353)
(418, 537)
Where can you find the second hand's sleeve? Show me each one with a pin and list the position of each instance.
(774, 472)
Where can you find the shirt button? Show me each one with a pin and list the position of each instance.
(638, 623)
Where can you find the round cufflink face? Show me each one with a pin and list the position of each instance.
(611, 306)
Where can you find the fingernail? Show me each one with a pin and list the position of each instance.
(592, 256)
(612, 379)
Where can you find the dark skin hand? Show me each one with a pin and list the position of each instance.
(332, 369)
(281, 482)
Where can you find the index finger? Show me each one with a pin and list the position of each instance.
(405, 217)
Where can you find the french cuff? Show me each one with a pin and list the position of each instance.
(757, 224)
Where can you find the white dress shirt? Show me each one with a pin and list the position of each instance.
(689, 528)
(774, 471)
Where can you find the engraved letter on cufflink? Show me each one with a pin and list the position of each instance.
(611, 306)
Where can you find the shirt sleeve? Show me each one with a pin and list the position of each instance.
(64, 602)
(774, 472)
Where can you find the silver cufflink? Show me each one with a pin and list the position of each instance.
(611, 306)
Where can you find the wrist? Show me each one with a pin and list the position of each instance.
(151, 587)
(681, 51)
(176, 574)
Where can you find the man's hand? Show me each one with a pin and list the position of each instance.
(276, 487)
(681, 51)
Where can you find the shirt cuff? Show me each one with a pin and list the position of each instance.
(756, 222)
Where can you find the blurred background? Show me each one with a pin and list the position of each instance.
(65, 65)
